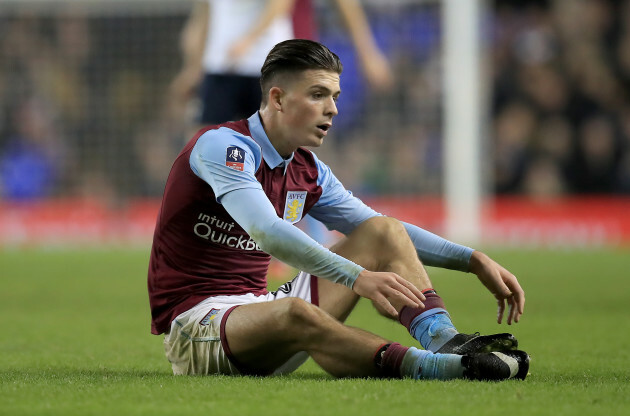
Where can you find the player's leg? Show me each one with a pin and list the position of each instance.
(261, 337)
(378, 244)
(382, 244)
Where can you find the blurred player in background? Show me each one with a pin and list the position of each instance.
(230, 203)
(224, 44)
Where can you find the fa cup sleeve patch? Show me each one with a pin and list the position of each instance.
(235, 158)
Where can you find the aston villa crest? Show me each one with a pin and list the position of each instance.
(294, 206)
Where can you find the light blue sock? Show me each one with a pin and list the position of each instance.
(422, 364)
(433, 329)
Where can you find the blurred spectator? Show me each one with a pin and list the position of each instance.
(560, 97)
(30, 160)
(597, 156)
(567, 63)
(543, 178)
(87, 77)
(514, 130)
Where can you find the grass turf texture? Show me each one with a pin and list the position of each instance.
(75, 341)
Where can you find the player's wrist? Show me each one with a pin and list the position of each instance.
(476, 262)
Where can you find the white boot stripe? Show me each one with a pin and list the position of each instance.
(511, 362)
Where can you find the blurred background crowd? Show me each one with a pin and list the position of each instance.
(84, 99)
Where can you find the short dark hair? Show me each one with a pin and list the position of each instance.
(296, 55)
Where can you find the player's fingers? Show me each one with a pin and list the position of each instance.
(521, 304)
(410, 294)
(511, 310)
(519, 297)
(387, 306)
(405, 296)
(515, 309)
(412, 288)
(518, 311)
(503, 290)
(500, 310)
(495, 284)
(517, 300)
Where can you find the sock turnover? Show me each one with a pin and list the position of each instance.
(431, 325)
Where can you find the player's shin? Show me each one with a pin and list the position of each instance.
(431, 325)
(395, 360)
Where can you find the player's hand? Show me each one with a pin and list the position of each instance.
(384, 287)
(501, 283)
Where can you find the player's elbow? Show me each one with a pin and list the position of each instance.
(263, 238)
(268, 238)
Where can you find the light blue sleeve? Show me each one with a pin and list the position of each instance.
(243, 198)
(285, 241)
(210, 154)
(339, 210)
(436, 251)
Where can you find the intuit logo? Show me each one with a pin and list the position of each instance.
(217, 231)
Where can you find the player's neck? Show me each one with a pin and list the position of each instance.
(275, 133)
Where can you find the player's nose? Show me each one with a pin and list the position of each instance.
(331, 108)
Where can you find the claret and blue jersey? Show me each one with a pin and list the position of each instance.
(281, 179)
(228, 179)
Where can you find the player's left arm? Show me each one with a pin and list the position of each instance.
(338, 209)
(436, 251)
(501, 283)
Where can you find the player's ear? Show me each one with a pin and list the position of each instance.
(275, 98)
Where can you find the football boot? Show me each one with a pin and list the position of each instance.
(496, 366)
(463, 344)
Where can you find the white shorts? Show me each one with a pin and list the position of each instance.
(196, 344)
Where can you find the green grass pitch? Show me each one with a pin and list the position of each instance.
(74, 340)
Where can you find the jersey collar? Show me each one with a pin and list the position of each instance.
(270, 154)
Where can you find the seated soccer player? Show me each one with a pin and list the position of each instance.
(231, 201)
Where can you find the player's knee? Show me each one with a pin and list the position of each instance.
(386, 233)
(299, 317)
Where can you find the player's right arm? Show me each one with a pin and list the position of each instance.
(243, 198)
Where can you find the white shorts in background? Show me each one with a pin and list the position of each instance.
(195, 344)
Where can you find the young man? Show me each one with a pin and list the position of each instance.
(230, 202)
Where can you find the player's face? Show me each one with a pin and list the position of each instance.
(310, 103)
